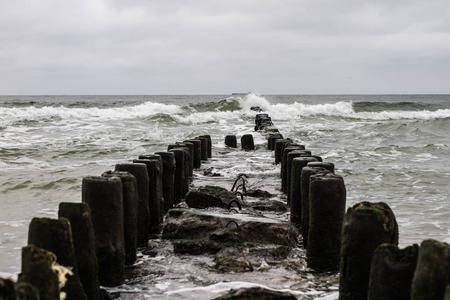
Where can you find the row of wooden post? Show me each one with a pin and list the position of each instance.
(91, 242)
(361, 243)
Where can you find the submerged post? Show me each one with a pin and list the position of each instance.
(231, 141)
(247, 143)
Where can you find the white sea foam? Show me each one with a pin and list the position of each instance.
(30, 113)
(343, 109)
(206, 117)
(221, 288)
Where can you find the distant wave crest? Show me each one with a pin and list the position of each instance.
(344, 109)
(14, 115)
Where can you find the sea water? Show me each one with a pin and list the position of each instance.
(390, 148)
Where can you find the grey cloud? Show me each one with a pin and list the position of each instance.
(173, 47)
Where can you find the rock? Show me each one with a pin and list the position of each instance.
(276, 206)
(259, 194)
(193, 224)
(210, 196)
(231, 259)
(256, 293)
(209, 172)
(195, 232)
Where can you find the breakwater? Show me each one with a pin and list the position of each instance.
(212, 171)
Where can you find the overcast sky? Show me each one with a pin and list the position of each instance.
(220, 47)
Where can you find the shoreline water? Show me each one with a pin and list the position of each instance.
(400, 159)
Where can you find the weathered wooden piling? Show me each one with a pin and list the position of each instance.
(432, 275)
(155, 180)
(298, 163)
(271, 140)
(191, 157)
(104, 196)
(155, 193)
(392, 272)
(366, 226)
(7, 289)
(130, 212)
(263, 123)
(247, 143)
(279, 147)
(79, 216)
(179, 175)
(38, 270)
(185, 167)
(231, 141)
(307, 172)
(25, 291)
(168, 178)
(209, 148)
(284, 163)
(287, 169)
(55, 235)
(327, 165)
(258, 119)
(197, 152)
(204, 147)
(327, 198)
(139, 171)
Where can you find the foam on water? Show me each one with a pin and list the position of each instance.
(343, 109)
(395, 153)
(10, 116)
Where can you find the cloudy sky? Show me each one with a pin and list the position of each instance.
(220, 47)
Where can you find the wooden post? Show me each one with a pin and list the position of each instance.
(104, 196)
(139, 171)
(432, 274)
(392, 272)
(366, 226)
(130, 212)
(37, 270)
(79, 216)
(298, 163)
(55, 235)
(327, 198)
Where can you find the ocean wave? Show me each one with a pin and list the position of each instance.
(226, 109)
(228, 104)
(379, 106)
(10, 116)
(344, 109)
